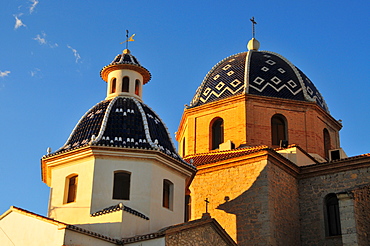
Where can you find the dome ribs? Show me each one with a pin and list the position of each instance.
(265, 73)
(124, 126)
(313, 93)
(159, 134)
(269, 75)
(122, 122)
(88, 126)
(224, 80)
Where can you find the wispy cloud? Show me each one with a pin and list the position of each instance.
(18, 22)
(35, 72)
(33, 6)
(75, 53)
(41, 38)
(4, 74)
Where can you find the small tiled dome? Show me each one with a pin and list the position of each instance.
(256, 72)
(125, 58)
(125, 61)
(121, 122)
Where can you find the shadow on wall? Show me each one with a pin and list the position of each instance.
(268, 212)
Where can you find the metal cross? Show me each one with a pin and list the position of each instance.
(253, 23)
(127, 38)
(206, 204)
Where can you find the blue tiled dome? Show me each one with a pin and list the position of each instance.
(123, 122)
(255, 72)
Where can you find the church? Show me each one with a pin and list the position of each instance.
(259, 162)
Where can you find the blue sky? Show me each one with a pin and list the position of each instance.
(52, 52)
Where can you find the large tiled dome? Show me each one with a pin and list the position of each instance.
(260, 73)
(121, 122)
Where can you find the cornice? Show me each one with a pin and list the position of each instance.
(295, 103)
(112, 152)
(347, 164)
(262, 155)
(249, 97)
(143, 71)
(207, 107)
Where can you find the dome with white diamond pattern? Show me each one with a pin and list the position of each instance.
(256, 72)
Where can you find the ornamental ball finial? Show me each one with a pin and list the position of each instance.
(253, 44)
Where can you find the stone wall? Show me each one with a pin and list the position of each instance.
(362, 210)
(238, 197)
(200, 236)
(283, 206)
(254, 200)
(312, 191)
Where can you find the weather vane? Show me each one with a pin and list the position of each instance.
(128, 39)
(253, 23)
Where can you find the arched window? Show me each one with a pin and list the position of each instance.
(217, 133)
(183, 147)
(167, 200)
(113, 85)
(125, 84)
(332, 217)
(187, 208)
(121, 185)
(137, 87)
(71, 186)
(278, 129)
(327, 146)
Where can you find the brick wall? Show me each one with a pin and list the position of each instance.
(305, 124)
(247, 120)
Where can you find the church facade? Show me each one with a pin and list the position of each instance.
(268, 156)
(259, 163)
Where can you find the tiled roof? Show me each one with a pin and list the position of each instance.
(122, 122)
(182, 226)
(67, 226)
(261, 73)
(215, 156)
(126, 60)
(143, 237)
(119, 207)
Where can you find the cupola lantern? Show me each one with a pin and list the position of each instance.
(125, 76)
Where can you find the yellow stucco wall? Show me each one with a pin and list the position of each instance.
(18, 229)
(95, 170)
